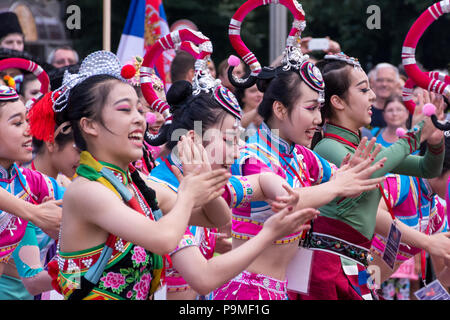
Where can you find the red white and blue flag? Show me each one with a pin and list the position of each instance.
(146, 23)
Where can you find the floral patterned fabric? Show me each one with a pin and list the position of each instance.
(127, 275)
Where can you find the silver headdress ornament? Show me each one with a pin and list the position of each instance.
(97, 63)
(203, 81)
(294, 59)
(344, 58)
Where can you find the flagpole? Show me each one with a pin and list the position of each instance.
(107, 25)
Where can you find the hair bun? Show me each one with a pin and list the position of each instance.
(178, 92)
(265, 77)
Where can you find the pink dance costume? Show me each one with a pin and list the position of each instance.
(407, 194)
(300, 167)
(31, 186)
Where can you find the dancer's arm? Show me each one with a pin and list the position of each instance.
(46, 216)
(101, 207)
(206, 275)
(437, 244)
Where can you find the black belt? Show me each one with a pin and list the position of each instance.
(323, 242)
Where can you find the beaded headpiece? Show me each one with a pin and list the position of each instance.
(293, 57)
(344, 58)
(7, 94)
(96, 63)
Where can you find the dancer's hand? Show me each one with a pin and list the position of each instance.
(364, 151)
(288, 221)
(198, 181)
(47, 216)
(192, 154)
(439, 245)
(281, 202)
(202, 187)
(352, 181)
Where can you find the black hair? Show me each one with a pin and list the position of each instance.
(282, 86)
(181, 64)
(56, 75)
(27, 77)
(187, 109)
(88, 99)
(336, 76)
(61, 140)
(239, 92)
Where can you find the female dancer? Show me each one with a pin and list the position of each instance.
(110, 243)
(215, 108)
(290, 109)
(22, 183)
(55, 157)
(348, 103)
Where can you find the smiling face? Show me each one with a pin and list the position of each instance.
(15, 139)
(359, 100)
(118, 137)
(300, 125)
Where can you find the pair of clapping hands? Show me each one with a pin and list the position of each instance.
(351, 179)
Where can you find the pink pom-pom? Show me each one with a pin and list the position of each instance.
(150, 117)
(234, 61)
(128, 71)
(429, 109)
(400, 132)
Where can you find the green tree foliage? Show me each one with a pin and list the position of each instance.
(346, 22)
(212, 18)
(342, 20)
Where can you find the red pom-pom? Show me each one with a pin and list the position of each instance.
(234, 61)
(429, 109)
(128, 71)
(150, 117)
(400, 132)
(41, 118)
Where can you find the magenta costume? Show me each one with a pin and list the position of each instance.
(266, 152)
(406, 195)
(31, 186)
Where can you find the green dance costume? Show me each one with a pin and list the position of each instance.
(342, 234)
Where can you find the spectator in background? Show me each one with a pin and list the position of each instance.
(63, 56)
(11, 34)
(182, 67)
(386, 82)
